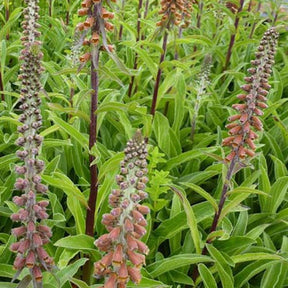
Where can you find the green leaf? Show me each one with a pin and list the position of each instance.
(168, 264)
(79, 283)
(79, 242)
(223, 266)
(279, 167)
(234, 244)
(191, 219)
(203, 193)
(62, 182)
(255, 256)
(6, 160)
(111, 166)
(145, 283)
(144, 56)
(251, 270)
(232, 203)
(181, 278)
(169, 228)
(25, 282)
(278, 193)
(207, 276)
(16, 13)
(70, 130)
(187, 156)
(247, 190)
(7, 271)
(67, 273)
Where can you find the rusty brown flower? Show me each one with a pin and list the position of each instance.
(244, 125)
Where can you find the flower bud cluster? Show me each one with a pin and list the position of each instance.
(31, 235)
(177, 12)
(125, 223)
(244, 124)
(96, 16)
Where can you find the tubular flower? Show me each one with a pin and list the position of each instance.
(243, 124)
(31, 235)
(175, 12)
(97, 19)
(126, 222)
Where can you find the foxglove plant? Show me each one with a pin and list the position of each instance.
(32, 234)
(174, 12)
(125, 223)
(244, 124)
(97, 21)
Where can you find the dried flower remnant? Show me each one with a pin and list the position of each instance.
(243, 125)
(31, 235)
(125, 223)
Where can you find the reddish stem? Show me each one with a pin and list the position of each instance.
(146, 9)
(67, 15)
(217, 214)
(50, 8)
(137, 40)
(92, 140)
(250, 6)
(90, 214)
(93, 136)
(199, 15)
(275, 18)
(158, 78)
(50, 11)
(121, 26)
(254, 24)
(232, 39)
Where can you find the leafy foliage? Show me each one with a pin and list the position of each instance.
(250, 246)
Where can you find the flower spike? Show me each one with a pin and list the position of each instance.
(97, 19)
(177, 12)
(125, 222)
(31, 234)
(243, 124)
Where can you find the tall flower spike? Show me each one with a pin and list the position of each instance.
(97, 18)
(31, 235)
(125, 223)
(175, 12)
(243, 125)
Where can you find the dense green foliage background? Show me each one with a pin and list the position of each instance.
(251, 246)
